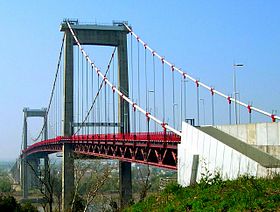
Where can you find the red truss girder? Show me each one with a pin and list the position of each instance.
(157, 149)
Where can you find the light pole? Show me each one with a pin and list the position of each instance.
(203, 105)
(238, 108)
(234, 88)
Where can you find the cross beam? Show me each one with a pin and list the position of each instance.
(96, 124)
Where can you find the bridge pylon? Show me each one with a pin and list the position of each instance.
(103, 35)
(29, 165)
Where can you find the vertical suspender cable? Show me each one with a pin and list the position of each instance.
(132, 79)
(82, 85)
(92, 95)
(108, 107)
(99, 109)
(126, 98)
(173, 98)
(59, 104)
(163, 93)
(56, 108)
(229, 108)
(55, 111)
(101, 106)
(146, 83)
(181, 101)
(154, 71)
(138, 78)
(87, 107)
(78, 88)
(197, 102)
(105, 107)
(185, 99)
(114, 109)
(213, 108)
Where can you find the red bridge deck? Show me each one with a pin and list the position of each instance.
(157, 149)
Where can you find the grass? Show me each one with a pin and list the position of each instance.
(243, 194)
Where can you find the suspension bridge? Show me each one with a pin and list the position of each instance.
(132, 109)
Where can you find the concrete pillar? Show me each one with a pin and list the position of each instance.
(46, 127)
(125, 183)
(24, 184)
(46, 169)
(194, 169)
(68, 160)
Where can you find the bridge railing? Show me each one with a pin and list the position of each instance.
(168, 137)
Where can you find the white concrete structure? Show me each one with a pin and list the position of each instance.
(265, 136)
(218, 151)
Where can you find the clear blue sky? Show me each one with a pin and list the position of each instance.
(202, 37)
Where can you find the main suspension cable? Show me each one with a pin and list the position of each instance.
(185, 75)
(114, 89)
(53, 87)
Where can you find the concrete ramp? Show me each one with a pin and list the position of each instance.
(206, 150)
(252, 152)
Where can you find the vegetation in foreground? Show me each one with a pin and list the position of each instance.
(244, 194)
(9, 203)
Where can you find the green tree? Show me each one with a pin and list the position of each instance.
(28, 207)
(5, 184)
(90, 176)
(9, 203)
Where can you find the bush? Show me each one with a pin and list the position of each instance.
(9, 203)
(28, 207)
(212, 194)
(5, 185)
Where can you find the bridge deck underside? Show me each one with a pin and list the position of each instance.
(156, 149)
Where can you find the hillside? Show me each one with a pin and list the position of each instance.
(243, 194)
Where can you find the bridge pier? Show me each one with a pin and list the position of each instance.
(29, 175)
(115, 35)
(46, 168)
(23, 180)
(67, 151)
(125, 183)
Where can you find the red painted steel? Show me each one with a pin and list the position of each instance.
(154, 148)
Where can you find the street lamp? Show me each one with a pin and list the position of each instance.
(203, 105)
(234, 87)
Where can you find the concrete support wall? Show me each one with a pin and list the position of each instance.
(265, 136)
(215, 155)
